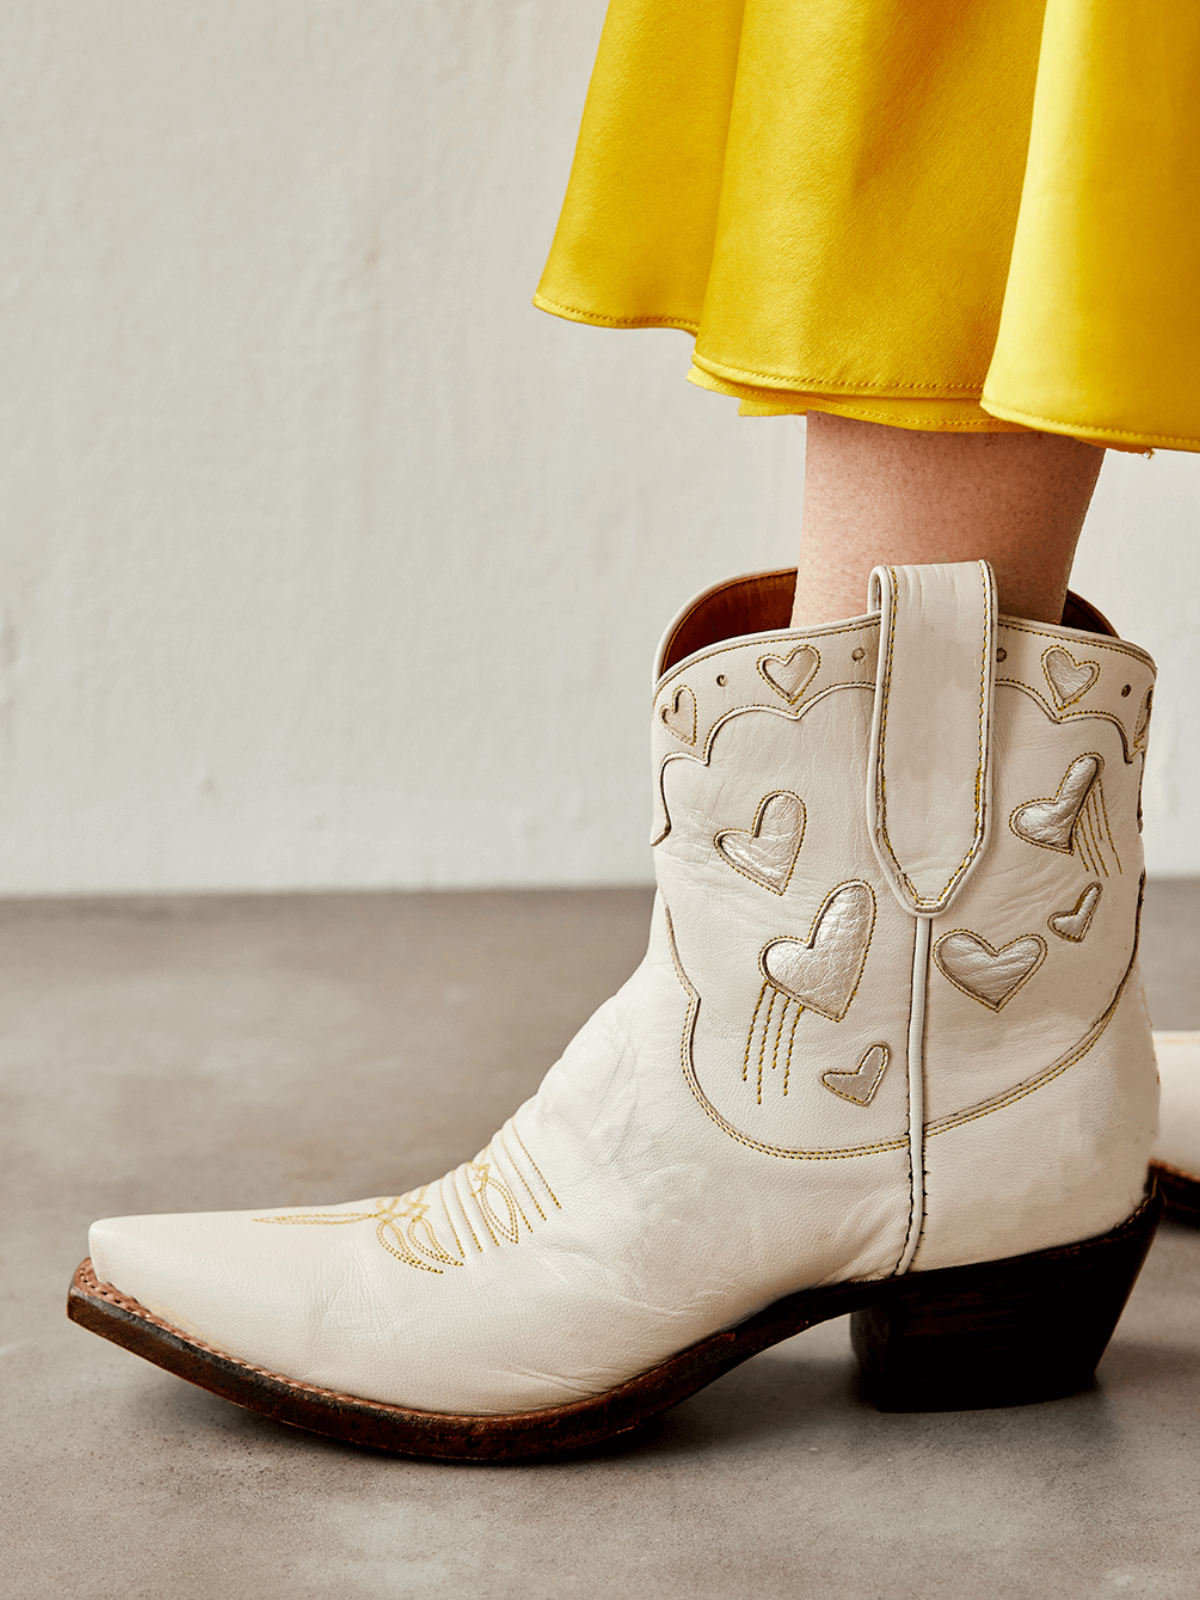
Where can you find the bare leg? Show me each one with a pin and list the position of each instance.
(875, 493)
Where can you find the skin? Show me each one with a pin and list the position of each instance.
(875, 493)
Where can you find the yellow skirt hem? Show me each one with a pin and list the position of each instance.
(597, 319)
(1114, 438)
(790, 383)
(924, 413)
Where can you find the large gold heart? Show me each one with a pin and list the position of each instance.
(1051, 823)
(861, 1084)
(822, 972)
(790, 675)
(679, 715)
(767, 852)
(988, 975)
(1069, 679)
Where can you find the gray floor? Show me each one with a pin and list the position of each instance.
(210, 1053)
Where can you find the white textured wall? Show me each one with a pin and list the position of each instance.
(324, 559)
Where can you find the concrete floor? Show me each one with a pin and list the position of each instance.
(240, 1052)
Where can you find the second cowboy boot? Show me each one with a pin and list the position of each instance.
(886, 1054)
(1176, 1155)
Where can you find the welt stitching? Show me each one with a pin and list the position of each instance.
(113, 1296)
(1176, 1172)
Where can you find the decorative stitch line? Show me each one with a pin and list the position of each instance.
(763, 875)
(706, 1105)
(1056, 1069)
(705, 757)
(960, 982)
(925, 903)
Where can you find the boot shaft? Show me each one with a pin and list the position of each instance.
(902, 862)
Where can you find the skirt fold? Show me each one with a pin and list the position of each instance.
(965, 215)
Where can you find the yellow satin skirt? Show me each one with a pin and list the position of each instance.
(960, 215)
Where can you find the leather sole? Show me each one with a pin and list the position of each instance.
(996, 1333)
(1180, 1191)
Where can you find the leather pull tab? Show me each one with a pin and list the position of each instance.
(928, 778)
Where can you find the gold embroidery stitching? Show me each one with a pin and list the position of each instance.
(675, 717)
(763, 866)
(803, 679)
(1077, 1052)
(866, 1084)
(520, 1175)
(831, 1009)
(1074, 924)
(406, 1226)
(532, 1162)
(737, 711)
(396, 1239)
(1069, 682)
(879, 1147)
(1074, 820)
(996, 999)
(1061, 718)
(924, 902)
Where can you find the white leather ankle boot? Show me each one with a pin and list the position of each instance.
(1176, 1159)
(887, 1053)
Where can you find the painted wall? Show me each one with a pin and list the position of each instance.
(324, 559)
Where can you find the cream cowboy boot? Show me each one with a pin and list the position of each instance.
(886, 1054)
(1176, 1157)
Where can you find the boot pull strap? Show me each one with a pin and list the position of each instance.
(929, 770)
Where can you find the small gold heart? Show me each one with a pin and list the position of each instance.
(790, 675)
(861, 1084)
(1051, 823)
(822, 971)
(1069, 679)
(1074, 924)
(988, 975)
(767, 853)
(679, 715)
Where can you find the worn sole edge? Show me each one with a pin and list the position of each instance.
(1180, 1190)
(104, 1310)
